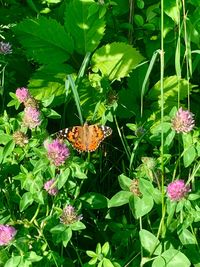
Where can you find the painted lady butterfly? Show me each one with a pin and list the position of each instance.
(86, 138)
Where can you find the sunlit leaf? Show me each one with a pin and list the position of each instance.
(45, 40)
(115, 60)
(86, 27)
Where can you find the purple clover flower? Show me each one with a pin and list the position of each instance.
(5, 48)
(22, 94)
(57, 152)
(52, 190)
(7, 233)
(183, 121)
(31, 117)
(69, 215)
(177, 190)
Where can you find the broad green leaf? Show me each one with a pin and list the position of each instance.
(44, 39)
(91, 253)
(172, 258)
(50, 113)
(189, 153)
(25, 201)
(4, 256)
(124, 182)
(189, 156)
(119, 199)
(63, 177)
(91, 89)
(85, 27)
(77, 226)
(15, 261)
(149, 242)
(50, 80)
(116, 60)
(105, 249)
(4, 138)
(187, 238)
(171, 85)
(32, 256)
(107, 263)
(168, 139)
(8, 149)
(94, 200)
(62, 233)
(38, 197)
(141, 206)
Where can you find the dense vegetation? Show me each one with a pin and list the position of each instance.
(132, 66)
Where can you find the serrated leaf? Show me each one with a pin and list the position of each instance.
(94, 88)
(49, 80)
(86, 28)
(116, 60)
(45, 40)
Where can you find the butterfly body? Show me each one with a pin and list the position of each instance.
(86, 138)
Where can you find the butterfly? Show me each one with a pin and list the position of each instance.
(86, 138)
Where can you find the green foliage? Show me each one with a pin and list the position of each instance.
(44, 37)
(84, 23)
(115, 60)
(114, 63)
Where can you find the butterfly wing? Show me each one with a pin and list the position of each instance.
(96, 134)
(86, 138)
(75, 136)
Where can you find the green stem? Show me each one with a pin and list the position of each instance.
(35, 215)
(162, 110)
(78, 256)
(122, 140)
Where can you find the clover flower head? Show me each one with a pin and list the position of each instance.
(22, 94)
(149, 162)
(20, 138)
(7, 233)
(31, 117)
(57, 152)
(52, 190)
(183, 121)
(69, 215)
(5, 48)
(177, 190)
